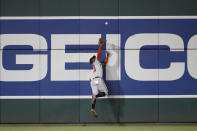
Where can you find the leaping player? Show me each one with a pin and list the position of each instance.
(98, 86)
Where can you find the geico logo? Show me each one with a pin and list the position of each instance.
(60, 57)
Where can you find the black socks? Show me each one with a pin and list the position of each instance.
(93, 105)
(100, 94)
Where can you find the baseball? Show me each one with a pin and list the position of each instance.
(106, 23)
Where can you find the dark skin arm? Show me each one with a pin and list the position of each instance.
(105, 62)
(101, 43)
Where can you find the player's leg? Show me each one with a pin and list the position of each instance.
(94, 93)
(93, 106)
(102, 88)
(93, 101)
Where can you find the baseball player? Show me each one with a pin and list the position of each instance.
(98, 86)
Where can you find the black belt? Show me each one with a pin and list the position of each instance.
(96, 77)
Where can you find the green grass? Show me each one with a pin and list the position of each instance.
(98, 128)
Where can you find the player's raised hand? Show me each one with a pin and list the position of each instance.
(102, 41)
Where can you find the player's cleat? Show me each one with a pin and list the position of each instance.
(94, 113)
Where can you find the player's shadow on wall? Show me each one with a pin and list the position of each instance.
(114, 88)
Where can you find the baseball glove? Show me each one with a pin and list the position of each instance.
(102, 41)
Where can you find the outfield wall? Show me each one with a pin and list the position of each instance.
(45, 46)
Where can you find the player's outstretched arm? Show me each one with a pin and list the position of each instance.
(99, 52)
(101, 43)
(106, 59)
